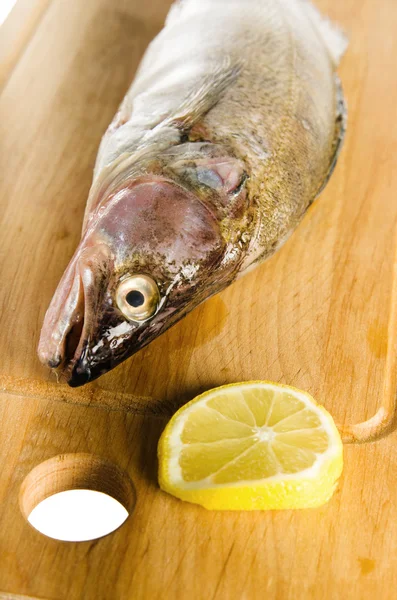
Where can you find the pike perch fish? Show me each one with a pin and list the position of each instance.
(228, 133)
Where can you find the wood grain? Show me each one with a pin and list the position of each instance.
(16, 32)
(319, 315)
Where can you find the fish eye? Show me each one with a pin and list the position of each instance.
(138, 296)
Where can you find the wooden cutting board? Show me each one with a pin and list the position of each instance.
(320, 315)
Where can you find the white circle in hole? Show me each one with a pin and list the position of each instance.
(78, 515)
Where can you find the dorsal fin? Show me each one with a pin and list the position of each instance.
(334, 38)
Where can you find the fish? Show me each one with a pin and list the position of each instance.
(228, 133)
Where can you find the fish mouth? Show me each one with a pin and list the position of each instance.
(66, 333)
(63, 334)
(73, 359)
(77, 347)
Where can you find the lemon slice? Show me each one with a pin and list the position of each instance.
(251, 446)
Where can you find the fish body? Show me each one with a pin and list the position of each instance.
(228, 133)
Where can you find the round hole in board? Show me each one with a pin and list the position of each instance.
(76, 497)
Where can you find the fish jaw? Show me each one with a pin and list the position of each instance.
(152, 227)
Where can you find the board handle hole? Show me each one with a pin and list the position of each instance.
(76, 497)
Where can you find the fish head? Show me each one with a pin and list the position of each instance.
(150, 254)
